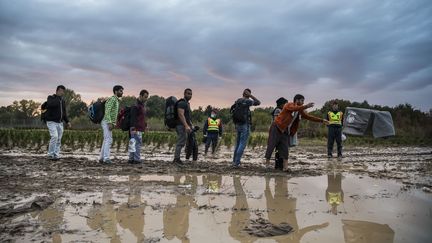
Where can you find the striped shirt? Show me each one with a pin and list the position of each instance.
(111, 109)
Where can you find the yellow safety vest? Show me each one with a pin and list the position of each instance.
(335, 118)
(334, 198)
(213, 125)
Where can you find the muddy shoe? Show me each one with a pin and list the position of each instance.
(178, 162)
(53, 158)
(287, 170)
(234, 166)
(107, 162)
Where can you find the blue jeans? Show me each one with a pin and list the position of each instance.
(241, 142)
(56, 132)
(136, 156)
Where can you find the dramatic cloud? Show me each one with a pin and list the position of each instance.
(380, 51)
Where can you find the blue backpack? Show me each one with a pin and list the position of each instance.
(96, 111)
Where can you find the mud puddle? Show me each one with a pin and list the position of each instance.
(336, 207)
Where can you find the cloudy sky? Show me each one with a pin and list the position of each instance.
(379, 51)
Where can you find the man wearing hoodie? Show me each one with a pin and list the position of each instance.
(279, 105)
(138, 126)
(55, 116)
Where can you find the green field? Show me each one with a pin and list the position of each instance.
(89, 140)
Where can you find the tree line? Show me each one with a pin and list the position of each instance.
(408, 121)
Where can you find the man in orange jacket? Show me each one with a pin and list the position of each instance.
(286, 124)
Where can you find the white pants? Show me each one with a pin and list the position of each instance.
(56, 132)
(107, 142)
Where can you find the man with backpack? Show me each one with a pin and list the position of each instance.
(138, 125)
(109, 122)
(285, 125)
(54, 116)
(184, 123)
(243, 120)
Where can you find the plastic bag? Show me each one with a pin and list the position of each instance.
(131, 147)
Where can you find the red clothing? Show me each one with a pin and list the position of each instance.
(138, 117)
(283, 120)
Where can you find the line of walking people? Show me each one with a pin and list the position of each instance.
(282, 133)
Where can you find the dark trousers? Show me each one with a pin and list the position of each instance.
(278, 161)
(334, 133)
(212, 139)
(181, 140)
(192, 147)
(278, 140)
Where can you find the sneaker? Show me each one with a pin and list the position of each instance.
(53, 158)
(101, 161)
(178, 162)
(235, 166)
(108, 162)
(131, 161)
(329, 156)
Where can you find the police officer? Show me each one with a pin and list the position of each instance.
(335, 117)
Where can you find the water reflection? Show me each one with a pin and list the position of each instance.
(104, 217)
(51, 219)
(356, 231)
(130, 215)
(240, 213)
(176, 217)
(281, 208)
(334, 193)
(212, 183)
(169, 217)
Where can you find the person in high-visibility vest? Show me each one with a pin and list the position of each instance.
(335, 118)
(213, 129)
(334, 192)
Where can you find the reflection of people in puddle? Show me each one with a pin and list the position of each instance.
(240, 214)
(104, 217)
(51, 220)
(176, 217)
(131, 214)
(334, 192)
(212, 182)
(282, 209)
(363, 231)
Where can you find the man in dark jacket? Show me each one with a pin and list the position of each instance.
(138, 126)
(54, 117)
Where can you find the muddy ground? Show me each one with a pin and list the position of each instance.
(24, 174)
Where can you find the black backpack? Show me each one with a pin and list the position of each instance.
(43, 111)
(240, 113)
(96, 111)
(124, 119)
(171, 118)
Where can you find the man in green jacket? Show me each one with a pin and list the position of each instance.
(109, 122)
